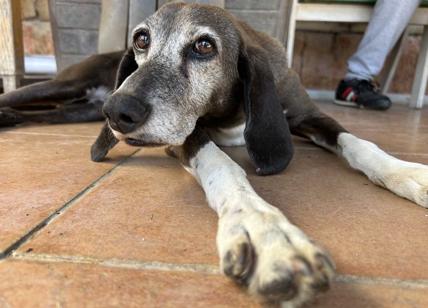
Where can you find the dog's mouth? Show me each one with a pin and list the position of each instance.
(141, 143)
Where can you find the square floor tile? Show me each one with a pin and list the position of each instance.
(149, 208)
(41, 173)
(32, 285)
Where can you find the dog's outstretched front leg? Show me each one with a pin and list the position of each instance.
(258, 246)
(104, 143)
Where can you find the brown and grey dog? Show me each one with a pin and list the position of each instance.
(196, 79)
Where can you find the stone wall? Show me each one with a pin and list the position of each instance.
(76, 31)
(36, 27)
(319, 57)
(262, 15)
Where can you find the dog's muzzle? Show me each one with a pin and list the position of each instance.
(125, 113)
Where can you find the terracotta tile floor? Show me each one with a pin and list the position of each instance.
(136, 231)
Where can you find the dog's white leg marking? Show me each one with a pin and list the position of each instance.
(406, 179)
(257, 245)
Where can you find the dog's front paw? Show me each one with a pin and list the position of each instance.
(98, 153)
(9, 117)
(273, 258)
(104, 143)
(408, 180)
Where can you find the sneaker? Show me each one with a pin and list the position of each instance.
(361, 93)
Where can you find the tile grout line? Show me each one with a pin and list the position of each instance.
(118, 263)
(313, 147)
(201, 268)
(34, 231)
(404, 283)
(47, 134)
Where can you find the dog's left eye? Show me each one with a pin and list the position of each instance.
(203, 47)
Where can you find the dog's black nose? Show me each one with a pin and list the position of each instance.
(125, 113)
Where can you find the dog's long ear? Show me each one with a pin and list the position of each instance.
(127, 66)
(267, 134)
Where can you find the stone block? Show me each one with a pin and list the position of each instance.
(78, 41)
(83, 16)
(264, 21)
(28, 9)
(37, 37)
(252, 4)
(42, 9)
(85, 1)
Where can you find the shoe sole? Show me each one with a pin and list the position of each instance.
(355, 105)
(346, 103)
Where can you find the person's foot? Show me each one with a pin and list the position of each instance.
(361, 93)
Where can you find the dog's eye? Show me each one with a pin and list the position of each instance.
(203, 47)
(142, 40)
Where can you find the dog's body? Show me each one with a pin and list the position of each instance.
(198, 78)
(77, 94)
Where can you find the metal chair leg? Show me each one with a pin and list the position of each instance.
(291, 32)
(393, 64)
(420, 80)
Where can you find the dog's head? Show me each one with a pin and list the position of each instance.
(193, 61)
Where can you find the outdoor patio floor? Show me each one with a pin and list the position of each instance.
(136, 231)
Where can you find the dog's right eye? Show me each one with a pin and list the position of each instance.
(142, 40)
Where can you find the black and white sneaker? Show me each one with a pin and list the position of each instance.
(361, 93)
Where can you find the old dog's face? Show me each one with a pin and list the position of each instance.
(183, 66)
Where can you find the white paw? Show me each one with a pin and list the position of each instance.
(408, 180)
(275, 260)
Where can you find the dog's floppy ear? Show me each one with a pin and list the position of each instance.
(267, 134)
(127, 66)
